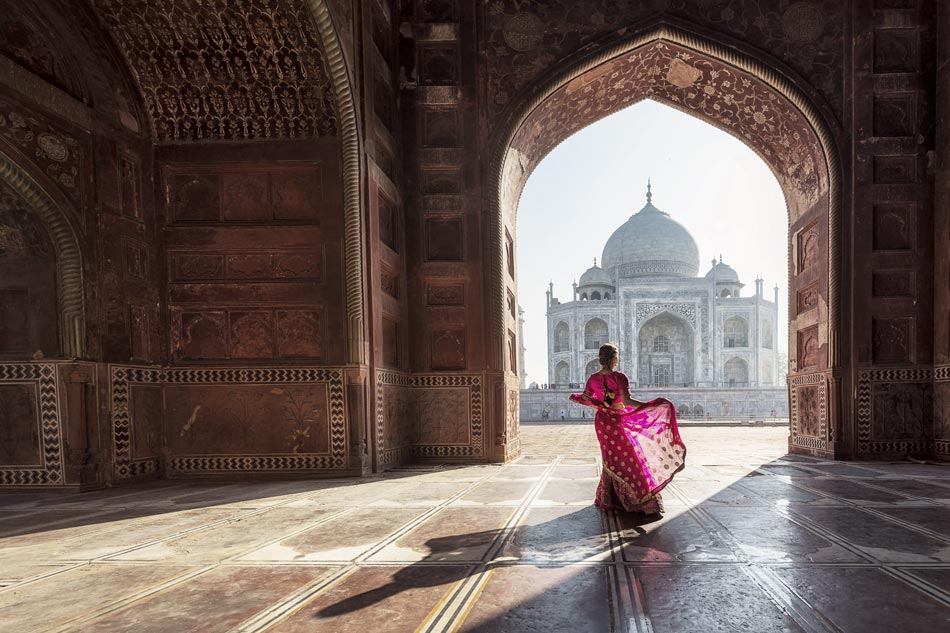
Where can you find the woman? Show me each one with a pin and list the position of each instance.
(639, 441)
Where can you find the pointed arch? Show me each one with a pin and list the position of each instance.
(758, 100)
(351, 150)
(69, 258)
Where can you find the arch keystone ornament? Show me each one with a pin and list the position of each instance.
(759, 103)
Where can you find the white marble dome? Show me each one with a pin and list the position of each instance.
(651, 244)
(722, 273)
(595, 276)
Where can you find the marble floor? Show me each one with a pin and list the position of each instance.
(753, 540)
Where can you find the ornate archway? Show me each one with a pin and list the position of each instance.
(759, 104)
(69, 261)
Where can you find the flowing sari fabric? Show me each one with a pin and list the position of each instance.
(641, 447)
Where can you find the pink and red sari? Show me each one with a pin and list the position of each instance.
(641, 447)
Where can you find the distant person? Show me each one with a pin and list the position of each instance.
(563, 413)
(639, 441)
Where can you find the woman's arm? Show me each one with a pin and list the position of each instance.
(628, 401)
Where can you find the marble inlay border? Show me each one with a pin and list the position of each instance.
(123, 377)
(865, 410)
(50, 471)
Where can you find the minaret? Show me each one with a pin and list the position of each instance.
(575, 291)
(550, 292)
(521, 347)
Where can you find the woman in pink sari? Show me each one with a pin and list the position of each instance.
(639, 441)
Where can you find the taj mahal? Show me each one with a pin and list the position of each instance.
(701, 340)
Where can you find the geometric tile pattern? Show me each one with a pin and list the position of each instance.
(752, 539)
(46, 379)
(123, 376)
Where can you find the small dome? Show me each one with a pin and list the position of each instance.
(722, 273)
(595, 276)
(651, 244)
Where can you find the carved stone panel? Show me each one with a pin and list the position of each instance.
(301, 334)
(896, 51)
(441, 128)
(894, 170)
(895, 114)
(440, 416)
(438, 65)
(808, 298)
(902, 411)
(19, 425)
(893, 227)
(809, 410)
(442, 182)
(246, 419)
(892, 283)
(448, 349)
(389, 283)
(440, 293)
(808, 247)
(200, 335)
(251, 334)
(228, 193)
(808, 348)
(892, 339)
(444, 239)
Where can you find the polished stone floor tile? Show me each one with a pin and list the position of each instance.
(528, 598)
(342, 538)
(677, 536)
(564, 535)
(235, 594)
(875, 601)
(882, 539)
(850, 490)
(377, 599)
(53, 601)
(451, 535)
(497, 492)
(223, 541)
(937, 577)
(709, 599)
(567, 492)
(767, 536)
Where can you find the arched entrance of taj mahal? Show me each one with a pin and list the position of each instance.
(766, 110)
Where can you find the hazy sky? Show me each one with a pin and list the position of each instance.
(707, 180)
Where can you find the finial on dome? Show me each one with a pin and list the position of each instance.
(595, 261)
(649, 193)
(720, 258)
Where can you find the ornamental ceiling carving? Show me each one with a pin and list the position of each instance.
(730, 99)
(524, 38)
(225, 69)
